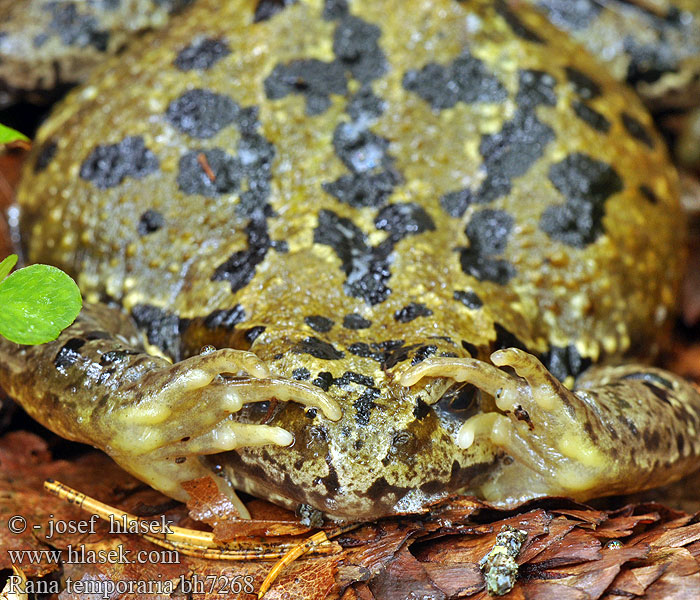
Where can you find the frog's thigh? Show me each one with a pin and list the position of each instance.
(96, 384)
(621, 430)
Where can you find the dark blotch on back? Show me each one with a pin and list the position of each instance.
(352, 377)
(471, 348)
(584, 86)
(107, 166)
(637, 130)
(76, 29)
(364, 405)
(650, 378)
(365, 154)
(335, 9)
(301, 374)
(467, 79)
(202, 54)
(511, 152)
(648, 193)
(240, 267)
(366, 267)
(226, 319)
(488, 232)
(255, 155)
(149, 222)
(318, 348)
(469, 299)
(356, 45)
(115, 356)
(45, 156)
(536, 88)
(194, 178)
(519, 28)
(355, 321)
(313, 78)
(422, 353)
(421, 409)
(324, 380)
(330, 481)
(412, 311)
(365, 106)
(506, 339)
(680, 443)
(388, 353)
(253, 333)
(591, 117)
(372, 174)
(162, 328)
(69, 354)
(393, 357)
(404, 219)
(652, 439)
(586, 183)
(268, 8)
(201, 113)
(361, 190)
(651, 59)
(318, 323)
(360, 150)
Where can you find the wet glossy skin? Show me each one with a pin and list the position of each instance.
(48, 45)
(363, 199)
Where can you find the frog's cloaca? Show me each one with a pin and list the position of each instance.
(353, 191)
(48, 45)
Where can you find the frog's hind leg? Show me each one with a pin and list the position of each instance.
(96, 384)
(622, 429)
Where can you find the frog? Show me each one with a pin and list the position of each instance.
(357, 257)
(47, 46)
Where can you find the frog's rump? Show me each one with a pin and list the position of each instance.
(371, 210)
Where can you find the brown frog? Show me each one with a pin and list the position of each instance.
(354, 255)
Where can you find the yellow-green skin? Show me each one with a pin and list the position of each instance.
(510, 220)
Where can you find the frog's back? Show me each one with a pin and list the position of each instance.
(476, 168)
(348, 189)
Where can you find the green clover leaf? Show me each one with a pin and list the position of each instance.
(9, 135)
(7, 265)
(36, 303)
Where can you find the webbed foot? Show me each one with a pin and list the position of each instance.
(540, 426)
(159, 426)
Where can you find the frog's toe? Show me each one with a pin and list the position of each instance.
(188, 399)
(229, 435)
(538, 424)
(165, 422)
(200, 370)
(286, 390)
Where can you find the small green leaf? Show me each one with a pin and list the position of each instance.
(37, 303)
(6, 265)
(9, 135)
